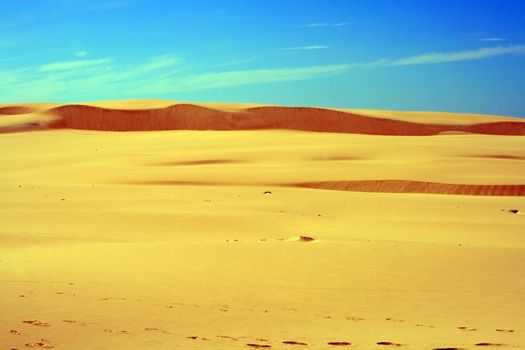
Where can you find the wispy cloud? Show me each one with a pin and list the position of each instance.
(467, 55)
(492, 39)
(73, 65)
(160, 62)
(80, 53)
(324, 24)
(165, 74)
(156, 76)
(310, 47)
(236, 61)
(15, 58)
(241, 77)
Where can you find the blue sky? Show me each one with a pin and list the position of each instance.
(456, 55)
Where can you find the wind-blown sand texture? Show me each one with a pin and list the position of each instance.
(163, 225)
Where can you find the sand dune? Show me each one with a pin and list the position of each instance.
(225, 117)
(431, 117)
(14, 110)
(378, 230)
(404, 186)
(194, 117)
(379, 186)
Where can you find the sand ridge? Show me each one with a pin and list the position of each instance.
(194, 117)
(163, 115)
(405, 186)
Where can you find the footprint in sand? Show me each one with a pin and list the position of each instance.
(37, 323)
(151, 329)
(339, 343)
(79, 323)
(111, 298)
(194, 337)
(111, 331)
(293, 342)
(253, 345)
(388, 343)
(227, 337)
(354, 318)
(14, 332)
(299, 239)
(465, 328)
(172, 305)
(448, 349)
(43, 343)
(488, 344)
(505, 330)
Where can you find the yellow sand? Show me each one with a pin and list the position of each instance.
(98, 255)
(431, 117)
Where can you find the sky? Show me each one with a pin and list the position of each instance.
(448, 55)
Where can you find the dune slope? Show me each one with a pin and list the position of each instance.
(14, 110)
(193, 117)
(217, 117)
(406, 186)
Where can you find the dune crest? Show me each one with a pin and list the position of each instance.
(197, 117)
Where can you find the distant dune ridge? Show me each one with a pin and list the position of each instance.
(215, 117)
(15, 110)
(129, 116)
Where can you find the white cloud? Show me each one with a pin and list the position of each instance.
(311, 47)
(72, 65)
(236, 61)
(14, 58)
(160, 62)
(153, 77)
(492, 39)
(80, 53)
(14, 76)
(104, 78)
(241, 77)
(317, 25)
(467, 55)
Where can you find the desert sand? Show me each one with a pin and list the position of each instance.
(164, 225)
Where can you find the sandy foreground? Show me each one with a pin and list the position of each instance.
(191, 239)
